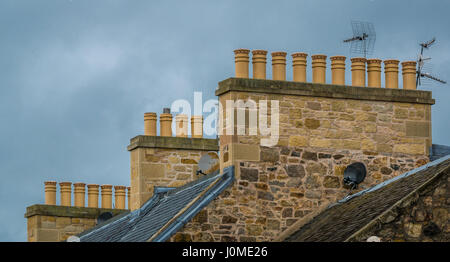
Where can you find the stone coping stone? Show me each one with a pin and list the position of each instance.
(65, 211)
(323, 90)
(170, 142)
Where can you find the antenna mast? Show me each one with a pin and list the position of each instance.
(421, 61)
(363, 40)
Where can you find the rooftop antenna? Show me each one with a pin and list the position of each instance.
(363, 40)
(421, 62)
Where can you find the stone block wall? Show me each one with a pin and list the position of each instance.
(164, 162)
(46, 223)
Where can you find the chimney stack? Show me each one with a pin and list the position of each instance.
(409, 75)
(119, 197)
(374, 72)
(259, 64)
(319, 66)
(150, 124)
(92, 195)
(338, 70)
(50, 192)
(279, 66)
(391, 73)
(66, 193)
(79, 190)
(181, 128)
(299, 66)
(106, 196)
(241, 59)
(165, 122)
(197, 126)
(358, 71)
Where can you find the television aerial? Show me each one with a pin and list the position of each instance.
(208, 163)
(421, 64)
(363, 40)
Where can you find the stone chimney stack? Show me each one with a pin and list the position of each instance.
(165, 122)
(358, 71)
(92, 195)
(181, 125)
(391, 73)
(197, 126)
(338, 70)
(319, 66)
(299, 67)
(150, 124)
(259, 64)
(79, 191)
(106, 196)
(241, 59)
(374, 72)
(66, 193)
(279, 66)
(50, 192)
(119, 196)
(409, 75)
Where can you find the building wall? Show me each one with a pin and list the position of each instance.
(424, 218)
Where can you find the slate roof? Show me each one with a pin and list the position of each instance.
(163, 214)
(438, 151)
(340, 221)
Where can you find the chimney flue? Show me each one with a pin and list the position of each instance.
(129, 197)
(241, 59)
(165, 123)
(279, 66)
(106, 196)
(66, 193)
(181, 128)
(50, 192)
(119, 196)
(358, 71)
(374, 72)
(197, 126)
(150, 124)
(79, 191)
(319, 66)
(409, 75)
(259, 64)
(93, 195)
(299, 67)
(391, 73)
(338, 70)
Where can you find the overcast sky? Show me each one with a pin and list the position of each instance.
(76, 76)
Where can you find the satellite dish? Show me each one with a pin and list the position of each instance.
(354, 174)
(73, 239)
(363, 40)
(208, 163)
(103, 217)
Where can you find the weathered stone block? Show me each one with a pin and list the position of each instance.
(298, 141)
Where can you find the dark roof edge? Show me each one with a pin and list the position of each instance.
(405, 201)
(195, 206)
(172, 142)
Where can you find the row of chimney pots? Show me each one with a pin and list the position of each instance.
(319, 63)
(79, 190)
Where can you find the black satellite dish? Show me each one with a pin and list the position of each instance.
(354, 174)
(208, 163)
(103, 217)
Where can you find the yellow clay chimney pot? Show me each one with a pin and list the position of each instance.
(93, 195)
(358, 71)
(241, 59)
(338, 70)
(279, 66)
(374, 72)
(319, 66)
(165, 123)
(66, 193)
(391, 73)
(197, 126)
(79, 191)
(299, 67)
(119, 196)
(181, 128)
(150, 124)
(50, 192)
(106, 196)
(129, 197)
(409, 75)
(259, 58)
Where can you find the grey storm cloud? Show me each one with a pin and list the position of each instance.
(76, 76)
